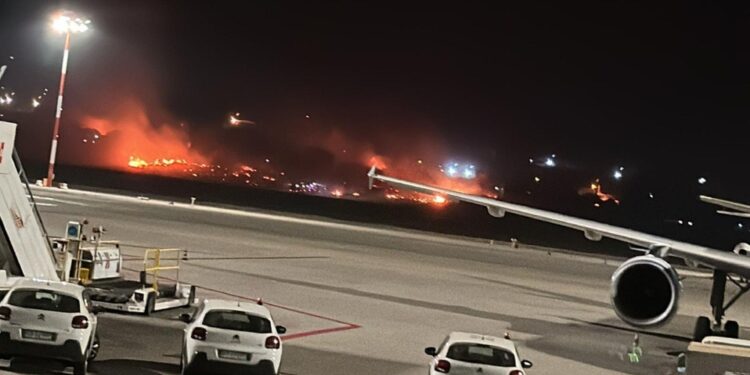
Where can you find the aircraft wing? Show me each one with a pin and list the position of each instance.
(595, 231)
(742, 210)
(745, 215)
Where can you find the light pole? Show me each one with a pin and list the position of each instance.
(66, 23)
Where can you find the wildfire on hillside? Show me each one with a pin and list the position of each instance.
(129, 139)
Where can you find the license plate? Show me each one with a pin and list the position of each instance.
(37, 335)
(237, 356)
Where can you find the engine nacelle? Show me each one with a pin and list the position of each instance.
(645, 291)
(742, 248)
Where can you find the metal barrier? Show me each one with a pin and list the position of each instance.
(154, 261)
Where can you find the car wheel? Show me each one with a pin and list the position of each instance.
(94, 351)
(266, 368)
(150, 304)
(81, 368)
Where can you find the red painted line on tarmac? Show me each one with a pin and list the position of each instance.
(281, 307)
(318, 332)
(346, 326)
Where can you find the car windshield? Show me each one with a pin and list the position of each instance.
(481, 354)
(237, 321)
(44, 300)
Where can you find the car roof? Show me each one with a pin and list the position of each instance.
(57, 286)
(251, 307)
(476, 338)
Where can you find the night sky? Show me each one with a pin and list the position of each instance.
(661, 89)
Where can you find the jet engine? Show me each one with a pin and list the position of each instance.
(645, 291)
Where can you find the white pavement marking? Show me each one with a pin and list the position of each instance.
(43, 198)
(43, 204)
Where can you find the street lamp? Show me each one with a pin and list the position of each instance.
(67, 23)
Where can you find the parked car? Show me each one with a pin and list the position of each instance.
(469, 353)
(231, 337)
(51, 320)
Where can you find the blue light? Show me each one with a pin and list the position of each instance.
(460, 170)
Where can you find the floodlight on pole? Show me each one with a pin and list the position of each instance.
(68, 23)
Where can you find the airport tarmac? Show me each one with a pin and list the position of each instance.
(363, 299)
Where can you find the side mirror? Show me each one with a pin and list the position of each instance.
(526, 364)
(281, 330)
(185, 318)
(430, 351)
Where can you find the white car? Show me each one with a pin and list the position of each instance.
(51, 320)
(469, 353)
(232, 338)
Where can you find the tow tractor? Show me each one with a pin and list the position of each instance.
(98, 265)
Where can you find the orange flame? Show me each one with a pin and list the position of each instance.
(596, 189)
(136, 162)
(135, 141)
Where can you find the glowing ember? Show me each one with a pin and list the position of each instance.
(136, 162)
(596, 189)
(438, 199)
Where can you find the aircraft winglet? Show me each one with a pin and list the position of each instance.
(371, 176)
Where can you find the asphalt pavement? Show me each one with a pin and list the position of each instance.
(363, 299)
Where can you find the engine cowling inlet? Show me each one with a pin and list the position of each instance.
(645, 291)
